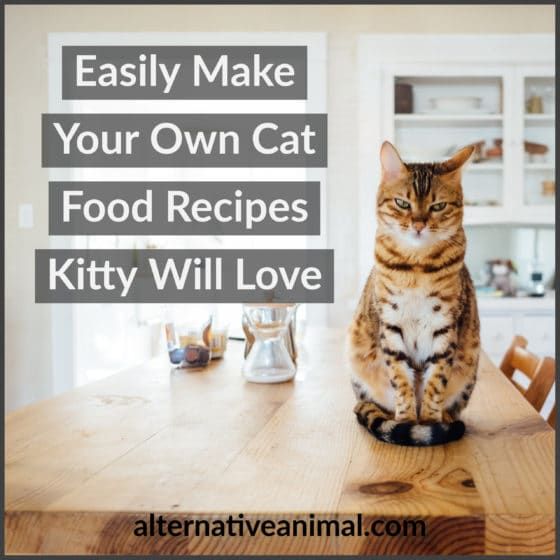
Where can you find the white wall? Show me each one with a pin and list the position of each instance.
(29, 375)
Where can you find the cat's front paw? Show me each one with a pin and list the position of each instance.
(447, 417)
(362, 407)
(431, 417)
(406, 416)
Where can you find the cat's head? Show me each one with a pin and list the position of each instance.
(419, 204)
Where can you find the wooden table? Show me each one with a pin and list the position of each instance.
(81, 468)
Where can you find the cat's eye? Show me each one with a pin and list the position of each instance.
(402, 203)
(438, 206)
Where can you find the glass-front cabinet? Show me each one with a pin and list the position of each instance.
(535, 103)
(506, 111)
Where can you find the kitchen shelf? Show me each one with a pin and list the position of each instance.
(481, 215)
(540, 117)
(539, 166)
(524, 303)
(448, 119)
(534, 215)
(513, 181)
(485, 167)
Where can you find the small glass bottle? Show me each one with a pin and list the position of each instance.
(219, 334)
(534, 104)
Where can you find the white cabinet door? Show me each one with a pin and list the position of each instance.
(535, 123)
(496, 334)
(539, 332)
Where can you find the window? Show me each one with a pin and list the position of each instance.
(110, 337)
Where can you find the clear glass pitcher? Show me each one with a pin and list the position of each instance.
(269, 359)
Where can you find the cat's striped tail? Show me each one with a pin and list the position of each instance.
(385, 428)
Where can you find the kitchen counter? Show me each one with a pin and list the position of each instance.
(525, 304)
(83, 467)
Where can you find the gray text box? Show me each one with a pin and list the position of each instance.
(229, 140)
(219, 274)
(256, 196)
(182, 84)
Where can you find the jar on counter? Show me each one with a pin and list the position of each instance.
(270, 353)
(188, 335)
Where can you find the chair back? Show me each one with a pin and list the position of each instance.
(541, 373)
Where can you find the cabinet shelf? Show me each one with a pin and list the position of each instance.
(477, 167)
(540, 117)
(534, 215)
(539, 167)
(482, 215)
(447, 119)
(515, 182)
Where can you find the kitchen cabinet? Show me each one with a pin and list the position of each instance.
(464, 88)
(472, 88)
(534, 174)
(502, 318)
(457, 104)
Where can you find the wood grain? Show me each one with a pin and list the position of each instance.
(82, 467)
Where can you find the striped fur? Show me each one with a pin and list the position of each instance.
(414, 340)
(383, 427)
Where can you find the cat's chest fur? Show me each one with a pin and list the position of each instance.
(418, 315)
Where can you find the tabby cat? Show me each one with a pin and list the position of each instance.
(414, 340)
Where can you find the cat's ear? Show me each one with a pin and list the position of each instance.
(458, 160)
(391, 163)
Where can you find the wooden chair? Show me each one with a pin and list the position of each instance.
(541, 373)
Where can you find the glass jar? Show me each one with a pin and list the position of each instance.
(188, 336)
(218, 341)
(270, 350)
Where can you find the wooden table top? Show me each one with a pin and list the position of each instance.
(82, 467)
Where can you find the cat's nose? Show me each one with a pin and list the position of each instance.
(418, 226)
